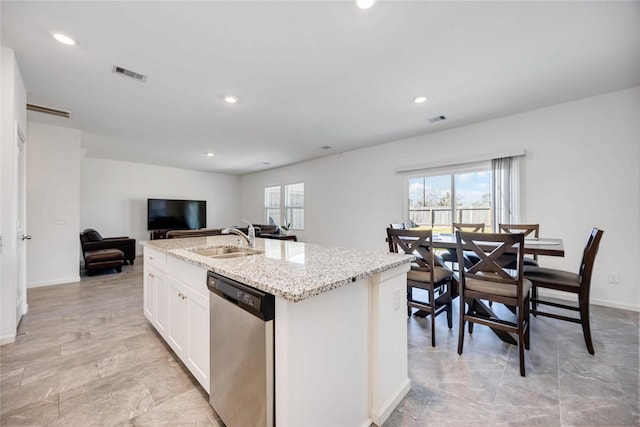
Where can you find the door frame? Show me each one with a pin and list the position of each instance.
(21, 223)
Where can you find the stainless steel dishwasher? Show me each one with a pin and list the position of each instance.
(241, 353)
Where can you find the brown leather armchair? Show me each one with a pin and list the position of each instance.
(91, 240)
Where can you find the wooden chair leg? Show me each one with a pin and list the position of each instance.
(527, 315)
(534, 297)
(432, 303)
(449, 307)
(461, 325)
(521, 339)
(408, 299)
(586, 326)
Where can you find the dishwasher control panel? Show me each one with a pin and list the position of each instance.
(250, 299)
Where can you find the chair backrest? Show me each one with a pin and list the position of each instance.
(472, 227)
(527, 229)
(588, 258)
(398, 226)
(413, 242)
(490, 249)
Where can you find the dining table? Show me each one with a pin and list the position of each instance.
(532, 246)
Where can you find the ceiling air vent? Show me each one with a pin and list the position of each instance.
(47, 110)
(129, 73)
(437, 119)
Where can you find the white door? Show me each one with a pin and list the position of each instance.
(21, 180)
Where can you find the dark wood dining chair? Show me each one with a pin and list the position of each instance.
(469, 227)
(426, 273)
(529, 231)
(577, 283)
(398, 225)
(488, 280)
(451, 256)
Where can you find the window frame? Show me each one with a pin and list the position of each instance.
(283, 207)
(452, 171)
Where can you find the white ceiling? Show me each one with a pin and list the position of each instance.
(307, 74)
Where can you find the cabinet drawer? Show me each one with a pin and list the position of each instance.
(192, 275)
(155, 258)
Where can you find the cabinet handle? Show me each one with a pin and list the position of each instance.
(151, 275)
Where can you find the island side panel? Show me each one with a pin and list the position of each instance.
(389, 369)
(321, 363)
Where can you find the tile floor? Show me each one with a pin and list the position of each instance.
(87, 356)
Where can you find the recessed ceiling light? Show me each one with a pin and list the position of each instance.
(419, 99)
(64, 39)
(230, 99)
(365, 4)
(209, 154)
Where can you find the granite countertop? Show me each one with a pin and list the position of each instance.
(290, 270)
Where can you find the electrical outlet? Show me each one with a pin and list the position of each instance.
(396, 299)
(614, 278)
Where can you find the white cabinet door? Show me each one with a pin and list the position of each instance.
(198, 337)
(177, 334)
(149, 292)
(178, 311)
(161, 315)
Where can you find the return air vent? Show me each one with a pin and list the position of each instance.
(437, 119)
(129, 73)
(47, 110)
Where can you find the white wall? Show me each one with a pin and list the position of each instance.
(581, 170)
(114, 195)
(13, 97)
(53, 193)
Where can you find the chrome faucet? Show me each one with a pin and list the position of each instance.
(251, 238)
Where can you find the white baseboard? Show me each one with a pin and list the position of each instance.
(380, 415)
(60, 281)
(7, 339)
(367, 423)
(595, 301)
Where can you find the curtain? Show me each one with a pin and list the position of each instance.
(505, 174)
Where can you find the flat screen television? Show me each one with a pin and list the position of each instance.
(176, 214)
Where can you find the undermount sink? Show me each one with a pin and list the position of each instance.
(225, 252)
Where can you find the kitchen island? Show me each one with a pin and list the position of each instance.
(340, 321)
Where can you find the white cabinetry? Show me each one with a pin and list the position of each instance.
(176, 302)
(154, 294)
(177, 316)
(149, 292)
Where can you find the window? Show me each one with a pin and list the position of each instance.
(437, 201)
(291, 196)
(272, 205)
(294, 205)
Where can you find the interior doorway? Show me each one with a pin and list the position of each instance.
(21, 220)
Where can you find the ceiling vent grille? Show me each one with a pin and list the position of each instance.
(437, 119)
(47, 110)
(123, 71)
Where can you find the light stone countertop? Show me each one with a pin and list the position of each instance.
(290, 270)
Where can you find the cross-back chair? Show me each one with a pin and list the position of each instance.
(487, 280)
(451, 255)
(426, 273)
(529, 231)
(577, 283)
